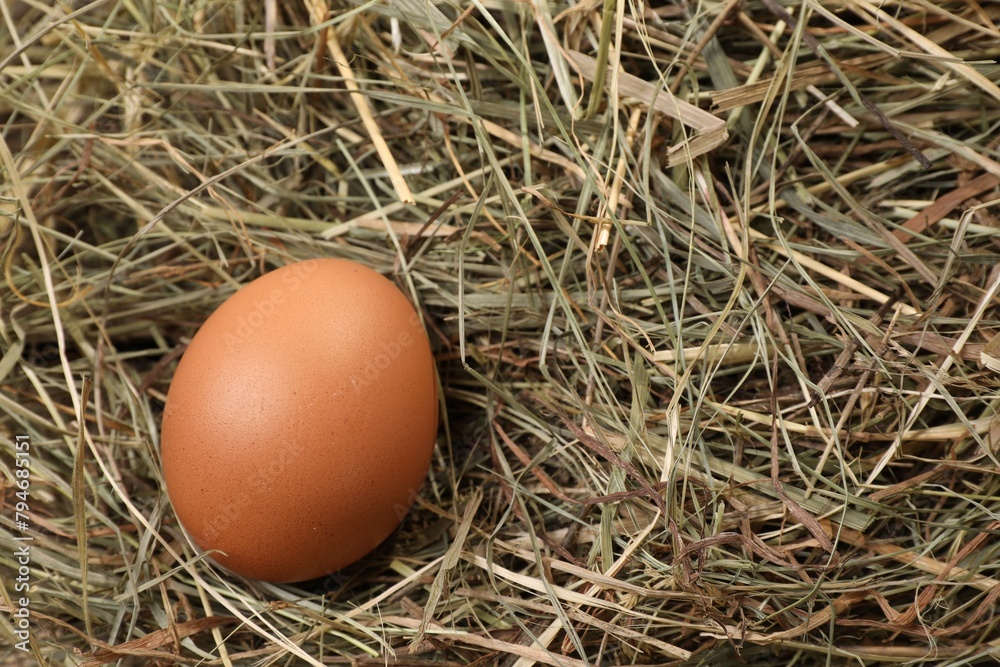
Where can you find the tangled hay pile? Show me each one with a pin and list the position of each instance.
(711, 288)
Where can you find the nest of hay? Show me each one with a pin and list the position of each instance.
(711, 288)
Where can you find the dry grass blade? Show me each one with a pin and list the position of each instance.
(713, 292)
(79, 501)
(318, 11)
(709, 131)
(879, 15)
(147, 646)
(451, 559)
(751, 93)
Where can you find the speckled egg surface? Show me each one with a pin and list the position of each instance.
(300, 421)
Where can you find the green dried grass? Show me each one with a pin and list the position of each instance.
(701, 445)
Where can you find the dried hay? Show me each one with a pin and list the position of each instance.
(711, 287)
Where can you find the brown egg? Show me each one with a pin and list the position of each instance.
(300, 423)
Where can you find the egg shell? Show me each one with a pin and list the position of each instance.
(301, 420)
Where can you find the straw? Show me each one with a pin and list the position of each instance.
(712, 291)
